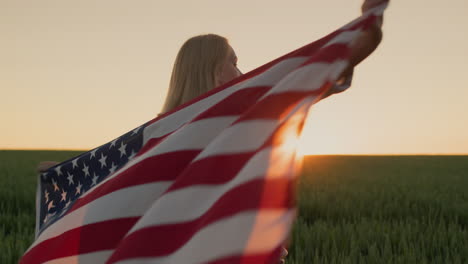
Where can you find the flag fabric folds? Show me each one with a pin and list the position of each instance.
(209, 182)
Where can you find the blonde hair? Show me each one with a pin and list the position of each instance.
(198, 62)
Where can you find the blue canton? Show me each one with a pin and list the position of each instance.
(62, 184)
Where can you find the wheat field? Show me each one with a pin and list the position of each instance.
(351, 209)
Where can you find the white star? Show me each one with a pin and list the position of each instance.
(95, 178)
(70, 179)
(122, 149)
(59, 172)
(75, 163)
(46, 194)
(112, 169)
(113, 143)
(50, 205)
(64, 195)
(102, 160)
(93, 153)
(86, 170)
(135, 131)
(78, 188)
(56, 188)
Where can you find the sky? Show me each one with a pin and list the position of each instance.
(77, 74)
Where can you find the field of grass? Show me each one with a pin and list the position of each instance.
(352, 209)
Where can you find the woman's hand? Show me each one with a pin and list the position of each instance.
(366, 43)
(45, 165)
(369, 39)
(284, 254)
(369, 4)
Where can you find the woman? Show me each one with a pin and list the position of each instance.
(207, 61)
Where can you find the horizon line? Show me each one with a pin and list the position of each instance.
(311, 154)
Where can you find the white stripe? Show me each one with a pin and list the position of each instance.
(274, 74)
(229, 237)
(345, 37)
(309, 77)
(193, 136)
(175, 120)
(135, 200)
(193, 201)
(95, 257)
(241, 137)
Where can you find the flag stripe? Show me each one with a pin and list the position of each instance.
(308, 78)
(194, 136)
(251, 132)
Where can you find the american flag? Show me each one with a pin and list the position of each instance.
(209, 182)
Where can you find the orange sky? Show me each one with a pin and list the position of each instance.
(76, 74)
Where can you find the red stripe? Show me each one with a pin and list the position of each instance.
(151, 143)
(218, 169)
(330, 54)
(165, 239)
(85, 239)
(275, 106)
(236, 103)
